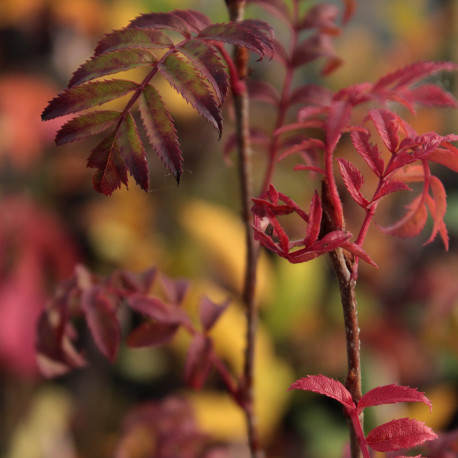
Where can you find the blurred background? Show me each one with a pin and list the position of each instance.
(51, 219)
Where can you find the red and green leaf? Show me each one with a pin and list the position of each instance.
(188, 81)
(132, 38)
(169, 21)
(111, 169)
(161, 131)
(132, 151)
(112, 62)
(86, 125)
(86, 96)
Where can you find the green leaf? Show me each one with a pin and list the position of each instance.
(111, 169)
(86, 96)
(133, 38)
(190, 83)
(207, 61)
(112, 62)
(132, 151)
(161, 130)
(86, 125)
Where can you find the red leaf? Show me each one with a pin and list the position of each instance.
(194, 19)
(86, 125)
(314, 47)
(209, 312)
(188, 81)
(322, 17)
(370, 153)
(102, 321)
(413, 72)
(411, 223)
(353, 180)
(161, 131)
(397, 434)
(113, 62)
(338, 119)
(391, 394)
(151, 334)
(314, 225)
(175, 289)
(432, 95)
(86, 96)
(209, 64)
(132, 38)
(155, 308)
(359, 251)
(137, 283)
(327, 386)
(251, 34)
(111, 169)
(132, 151)
(439, 208)
(447, 156)
(387, 126)
(388, 187)
(199, 361)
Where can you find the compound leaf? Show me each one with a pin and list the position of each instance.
(168, 21)
(150, 334)
(353, 180)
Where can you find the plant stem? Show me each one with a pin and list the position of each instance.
(343, 268)
(236, 12)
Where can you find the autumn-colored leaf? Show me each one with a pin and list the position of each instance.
(161, 131)
(209, 312)
(194, 19)
(314, 225)
(132, 152)
(150, 334)
(370, 153)
(175, 288)
(189, 82)
(440, 207)
(111, 169)
(131, 38)
(86, 96)
(112, 62)
(102, 321)
(338, 118)
(168, 21)
(209, 64)
(388, 187)
(327, 386)
(353, 180)
(316, 46)
(398, 434)
(86, 125)
(198, 361)
(390, 394)
(387, 126)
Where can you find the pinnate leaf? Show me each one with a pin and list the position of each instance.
(102, 321)
(169, 21)
(314, 225)
(440, 207)
(86, 125)
(189, 82)
(446, 155)
(432, 95)
(112, 62)
(327, 386)
(390, 394)
(132, 151)
(111, 169)
(397, 434)
(132, 38)
(150, 334)
(353, 180)
(161, 130)
(86, 96)
(390, 186)
(194, 19)
(199, 361)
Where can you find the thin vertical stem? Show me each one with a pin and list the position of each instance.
(236, 11)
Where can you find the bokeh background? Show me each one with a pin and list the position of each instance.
(51, 219)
